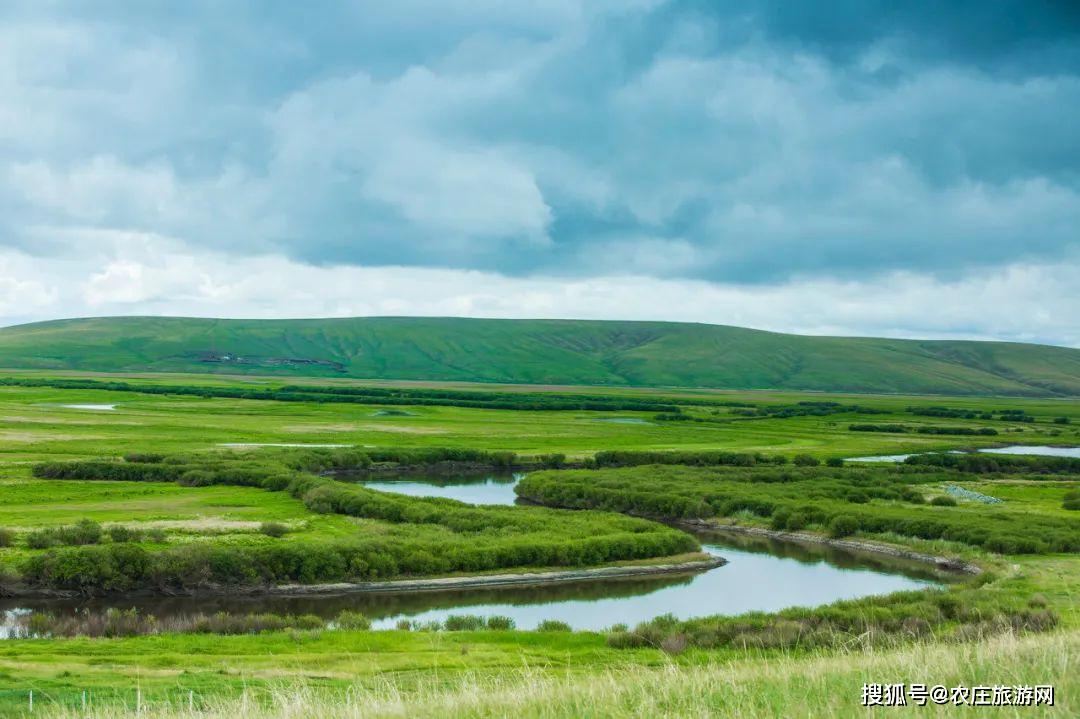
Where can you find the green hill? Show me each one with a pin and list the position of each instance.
(542, 352)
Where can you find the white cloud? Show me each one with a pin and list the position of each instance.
(148, 275)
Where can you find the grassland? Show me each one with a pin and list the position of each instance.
(496, 673)
(523, 680)
(543, 352)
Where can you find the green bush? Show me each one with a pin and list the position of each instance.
(997, 463)
(352, 621)
(7, 537)
(805, 460)
(553, 625)
(500, 623)
(942, 501)
(552, 461)
(961, 613)
(41, 539)
(843, 526)
(273, 529)
(1071, 501)
(463, 623)
(120, 533)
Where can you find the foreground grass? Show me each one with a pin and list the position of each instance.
(789, 685)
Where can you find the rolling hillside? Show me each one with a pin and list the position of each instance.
(543, 352)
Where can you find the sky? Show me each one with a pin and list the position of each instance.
(854, 168)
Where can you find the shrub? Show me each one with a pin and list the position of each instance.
(1062, 420)
(120, 533)
(835, 461)
(85, 531)
(500, 623)
(674, 643)
(41, 539)
(196, 478)
(843, 526)
(463, 623)
(1071, 501)
(353, 621)
(156, 534)
(553, 625)
(7, 537)
(913, 496)
(552, 461)
(805, 460)
(273, 529)
(942, 501)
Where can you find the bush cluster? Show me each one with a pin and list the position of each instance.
(893, 619)
(445, 535)
(634, 458)
(83, 532)
(807, 408)
(1006, 415)
(997, 463)
(923, 429)
(869, 500)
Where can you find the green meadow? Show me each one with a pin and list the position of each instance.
(1022, 625)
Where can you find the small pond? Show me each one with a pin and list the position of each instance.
(481, 488)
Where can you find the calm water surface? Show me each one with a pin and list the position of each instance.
(1040, 450)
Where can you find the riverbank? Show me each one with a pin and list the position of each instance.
(436, 584)
(947, 564)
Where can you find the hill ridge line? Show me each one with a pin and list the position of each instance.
(543, 352)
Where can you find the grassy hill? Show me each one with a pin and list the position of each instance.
(543, 352)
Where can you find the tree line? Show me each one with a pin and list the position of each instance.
(923, 429)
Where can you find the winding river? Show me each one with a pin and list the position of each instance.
(761, 575)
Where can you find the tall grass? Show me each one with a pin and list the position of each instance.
(786, 685)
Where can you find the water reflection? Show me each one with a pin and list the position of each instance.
(762, 575)
(482, 488)
(1021, 449)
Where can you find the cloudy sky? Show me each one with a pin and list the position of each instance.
(873, 167)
